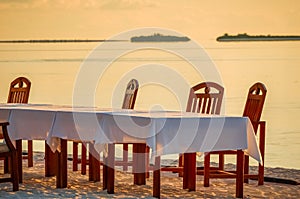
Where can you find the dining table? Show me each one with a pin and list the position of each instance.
(164, 131)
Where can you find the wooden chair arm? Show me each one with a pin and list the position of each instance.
(6, 136)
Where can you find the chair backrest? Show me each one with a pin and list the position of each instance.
(130, 94)
(19, 90)
(255, 102)
(206, 98)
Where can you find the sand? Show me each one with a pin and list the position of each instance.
(35, 185)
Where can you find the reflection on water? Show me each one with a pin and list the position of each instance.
(53, 68)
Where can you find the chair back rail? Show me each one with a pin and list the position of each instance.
(130, 94)
(19, 90)
(205, 98)
(254, 103)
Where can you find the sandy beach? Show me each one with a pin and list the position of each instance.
(35, 185)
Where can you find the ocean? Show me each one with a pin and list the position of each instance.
(165, 77)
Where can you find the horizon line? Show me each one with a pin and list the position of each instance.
(57, 40)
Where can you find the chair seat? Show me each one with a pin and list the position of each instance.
(3, 148)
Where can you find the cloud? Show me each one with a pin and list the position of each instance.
(6, 4)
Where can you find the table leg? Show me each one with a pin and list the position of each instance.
(156, 178)
(110, 169)
(19, 151)
(50, 161)
(84, 145)
(94, 164)
(62, 169)
(139, 164)
(189, 171)
(75, 156)
(30, 153)
(240, 174)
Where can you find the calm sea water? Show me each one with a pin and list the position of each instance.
(53, 69)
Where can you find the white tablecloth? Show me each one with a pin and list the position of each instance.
(177, 132)
(166, 132)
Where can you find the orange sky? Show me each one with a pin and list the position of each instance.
(198, 19)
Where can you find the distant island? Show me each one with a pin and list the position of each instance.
(58, 40)
(246, 37)
(159, 38)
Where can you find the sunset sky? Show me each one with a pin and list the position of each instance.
(101, 19)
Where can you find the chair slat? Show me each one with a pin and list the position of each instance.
(19, 90)
(205, 98)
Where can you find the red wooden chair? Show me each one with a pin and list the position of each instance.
(205, 98)
(108, 172)
(128, 103)
(19, 93)
(253, 110)
(9, 152)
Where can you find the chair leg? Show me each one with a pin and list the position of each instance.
(6, 165)
(180, 164)
(221, 161)
(30, 153)
(206, 169)
(262, 151)
(260, 175)
(75, 156)
(156, 178)
(240, 174)
(14, 172)
(83, 158)
(125, 157)
(147, 161)
(19, 159)
(246, 168)
(110, 169)
(104, 172)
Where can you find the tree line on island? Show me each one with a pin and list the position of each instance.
(157, 37)
(246, 37)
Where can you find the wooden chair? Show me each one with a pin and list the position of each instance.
(9, 152)
(128, 103)
(205, 98)
(253, 110)
(19, 93)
